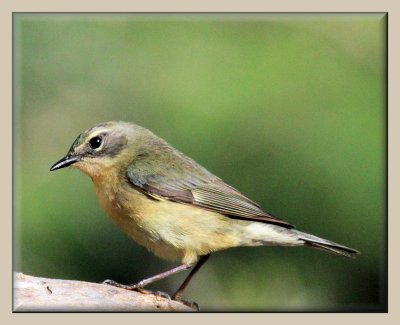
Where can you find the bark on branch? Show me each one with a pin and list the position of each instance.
(35, 294)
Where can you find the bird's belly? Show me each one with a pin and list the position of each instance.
(170, 230)
(148, 237)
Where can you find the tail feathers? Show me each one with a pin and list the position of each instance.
(326, 245)
(348, 252)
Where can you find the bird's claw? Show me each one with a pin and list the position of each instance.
(109, 282)
(162, 294)
(137, 287)
(190, 304)
(158, 294)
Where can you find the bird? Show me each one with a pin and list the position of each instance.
(172, 205)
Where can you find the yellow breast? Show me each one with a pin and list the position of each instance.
(170, 230)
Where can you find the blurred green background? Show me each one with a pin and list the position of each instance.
(288, 108)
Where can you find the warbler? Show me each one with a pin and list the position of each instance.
(170, 204)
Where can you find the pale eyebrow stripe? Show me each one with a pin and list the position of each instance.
(96, 133)
(93, 134)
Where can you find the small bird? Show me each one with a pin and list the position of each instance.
(170, 204)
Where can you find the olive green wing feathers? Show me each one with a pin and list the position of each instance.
(169, 174)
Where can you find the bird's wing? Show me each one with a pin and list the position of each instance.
(173, 176)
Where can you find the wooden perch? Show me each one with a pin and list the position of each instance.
(33, 294)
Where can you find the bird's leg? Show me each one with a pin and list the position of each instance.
(179, 292)
(140, 285)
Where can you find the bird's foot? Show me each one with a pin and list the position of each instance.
(190, 304)
(159, 294)
(137, 287)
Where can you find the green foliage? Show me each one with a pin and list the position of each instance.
(290, 109)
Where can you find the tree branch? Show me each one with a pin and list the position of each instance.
(33, 294)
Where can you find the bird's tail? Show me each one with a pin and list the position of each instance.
(326, 245)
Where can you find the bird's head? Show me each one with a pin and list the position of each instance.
(102, 147)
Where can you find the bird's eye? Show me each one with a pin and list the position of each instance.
(95, 142)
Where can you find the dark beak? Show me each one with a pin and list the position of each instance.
(65, 162)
